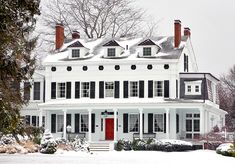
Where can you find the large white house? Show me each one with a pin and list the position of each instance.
(110, 89)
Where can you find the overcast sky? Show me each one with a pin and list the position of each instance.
(212, 24)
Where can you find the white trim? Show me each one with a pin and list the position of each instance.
(193, 85)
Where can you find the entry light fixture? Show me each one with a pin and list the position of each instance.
(105, 113)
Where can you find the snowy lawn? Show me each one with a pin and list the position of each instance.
(123, 157)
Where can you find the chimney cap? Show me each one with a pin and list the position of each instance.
(178, 21)
(187, 28)
(59, 24)
(75, 31)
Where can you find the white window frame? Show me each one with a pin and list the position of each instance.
(72, 50)
(58, 90)
(112, 55)
(194, 116)
(59, 122)
(145, 51)
(157, 89)
(82, 129)
(109, 92)
(193, 85)
(132, 124)
(161, 123)
(85, 89)
(131, 89)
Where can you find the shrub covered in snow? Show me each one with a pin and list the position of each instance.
(48, 143)
(154, 145)
(80, 144)
(226, 149)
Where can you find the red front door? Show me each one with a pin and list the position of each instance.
(109, 127)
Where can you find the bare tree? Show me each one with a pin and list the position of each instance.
(227, 97)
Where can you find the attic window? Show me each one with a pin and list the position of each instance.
(147, 51)
(111, 52)
(76, 53)
(193, 87)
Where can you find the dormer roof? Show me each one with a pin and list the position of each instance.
(111, 43)
(76, 44)
(146, 43)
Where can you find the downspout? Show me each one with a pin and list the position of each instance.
(204, 88)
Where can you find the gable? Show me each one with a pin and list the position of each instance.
(111, 43)
(146, 42)
(76, 44)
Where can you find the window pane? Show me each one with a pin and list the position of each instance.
(158, 88)
(76, 53)
(36, 91)
(34, 120)
(60, 90)
(85, 89)
(197, 88)
(134, 122)
(111, 51)
(196, 125)
(147, 51)
(84, 123)
(109, 89)
(134, 89)
(188, 125)
(189, 88)
(60, 123)
(158, 122)
(189, 135)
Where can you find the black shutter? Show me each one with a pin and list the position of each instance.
(101, 89)
(125, 123)
(68, 119)
(53, 90)
(125, 89)
(141, 89)
(143, 123)
(177, 123)
(93, 123)
(187, 63)
(164, 122)
(177, 89)
(53, 123)
(44, 90)
(150, 123)
(26, 91)
(77, 90)
(116, 91)
(92, 96)
(68, 90)
(150, 88)
(166, 88)
(77, 123)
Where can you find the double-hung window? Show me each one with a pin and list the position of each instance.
(158, 88)
(134, 123)
(60, 123)
(111, 52)
(76, 53)
(61, 87)
(134, 89)
(85, 89)
(147, 51)
(109, 89)
(158, 123)
(84, 123)
(193, 87)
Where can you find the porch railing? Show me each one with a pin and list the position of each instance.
(145, 135)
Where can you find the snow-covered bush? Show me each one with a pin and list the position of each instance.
(226, 149)
(80, 144)
(7, 139)
(154, 145)
(48, 143)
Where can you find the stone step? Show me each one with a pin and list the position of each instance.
(100, 146)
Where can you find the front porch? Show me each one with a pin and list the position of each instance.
(113, 123)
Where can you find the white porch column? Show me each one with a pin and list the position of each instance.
(141, 123)
(40, 118)
(167, 123)
(172, 123)
(115, 124)
(64, 129)
(202, 121)
(89, 124)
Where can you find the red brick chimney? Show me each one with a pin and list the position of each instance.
(187, 31)
(59, 35)
(75, 35)
(177, 33)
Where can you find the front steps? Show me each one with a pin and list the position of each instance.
(101, 146)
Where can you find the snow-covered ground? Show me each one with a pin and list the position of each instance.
(123, 157)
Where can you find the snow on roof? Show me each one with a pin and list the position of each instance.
(96, 49)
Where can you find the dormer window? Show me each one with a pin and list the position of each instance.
(111, 52)
(193, 87)
(147, 51)
(76, 53)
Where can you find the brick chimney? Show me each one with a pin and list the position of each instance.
(59, 35)
(177, 33)
(75, 35)
(187, 31)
